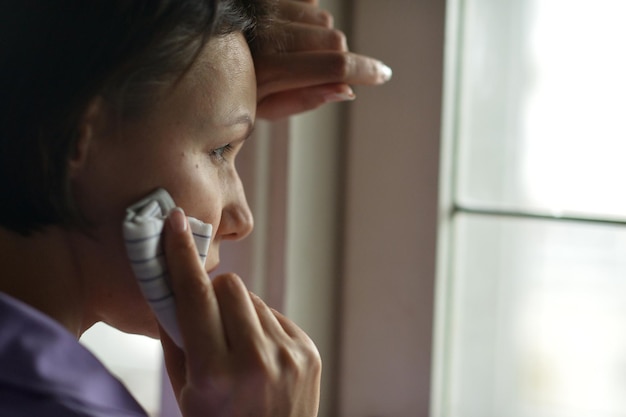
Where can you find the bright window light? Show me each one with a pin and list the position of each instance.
(135, 360)
(536, 305)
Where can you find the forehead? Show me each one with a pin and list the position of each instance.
(223, 76)
(223, 61)
(229, 51)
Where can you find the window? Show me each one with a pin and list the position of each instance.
(135, 360)
(533, 293)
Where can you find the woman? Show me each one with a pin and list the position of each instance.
(101, 103)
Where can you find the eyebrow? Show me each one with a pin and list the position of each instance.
(243, 119)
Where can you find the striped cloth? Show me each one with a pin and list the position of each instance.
(142, 236)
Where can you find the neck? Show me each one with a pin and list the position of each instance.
(41, 270)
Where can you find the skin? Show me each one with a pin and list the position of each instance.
(315, 67)
(240, 357)
(186, 143)
(320, 68)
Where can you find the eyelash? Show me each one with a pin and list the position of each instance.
(221, 151)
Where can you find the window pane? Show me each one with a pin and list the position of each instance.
(536, 319)
(541, 105)
(135, 360)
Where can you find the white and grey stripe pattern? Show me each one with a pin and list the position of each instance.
(142, 236)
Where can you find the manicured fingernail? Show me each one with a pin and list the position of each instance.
(385, 72)
(337, 97)
(177, 220)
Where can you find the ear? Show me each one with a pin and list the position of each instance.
(90, 126)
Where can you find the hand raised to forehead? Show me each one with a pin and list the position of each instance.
(311, 65)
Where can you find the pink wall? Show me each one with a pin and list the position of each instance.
(391, 213)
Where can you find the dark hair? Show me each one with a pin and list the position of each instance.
(58, 55)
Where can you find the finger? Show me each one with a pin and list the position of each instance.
(297, 101)
(197, 308)
(242, 326)
(306, 12)
(302, 37)
(295, 332)
(270, 323)
(283, 330)
(307, 69)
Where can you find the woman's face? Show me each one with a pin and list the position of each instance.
(187, 144)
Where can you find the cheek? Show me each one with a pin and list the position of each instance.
(199, 192)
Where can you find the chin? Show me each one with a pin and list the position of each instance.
(152, 330)
(141, 323)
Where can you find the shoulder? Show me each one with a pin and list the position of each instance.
(16, 402)
(46, 372)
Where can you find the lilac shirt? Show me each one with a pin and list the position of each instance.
(45, 372)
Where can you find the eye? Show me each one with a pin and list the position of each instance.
(221, 152)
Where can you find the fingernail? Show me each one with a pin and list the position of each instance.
(177, 220)
(337, 97)
(385, 72)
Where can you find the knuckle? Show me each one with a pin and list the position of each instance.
(339, 66)
(262, 363)
(313, 357)
(325, 18)
(293, 363)
(227, 282)
(288, 357)
(229, 277)
(338, 40)
(300, 359)
(229, 289)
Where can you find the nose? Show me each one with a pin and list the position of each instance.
(237, 221)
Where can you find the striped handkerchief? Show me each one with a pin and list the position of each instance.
(142, 236)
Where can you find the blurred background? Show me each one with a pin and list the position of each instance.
(454, 240)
